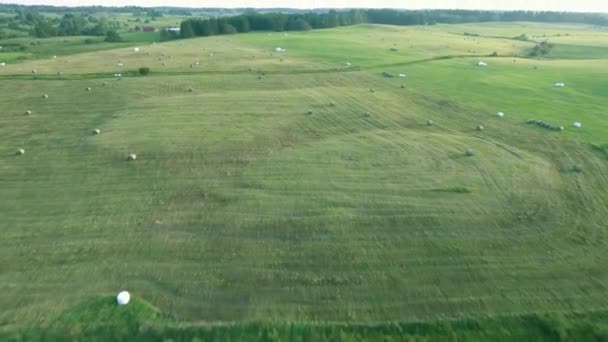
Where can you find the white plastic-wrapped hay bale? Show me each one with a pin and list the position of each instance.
(20, 152)
(88, 88)
(560, 84)
(96, 131)
(123, 298)
(482, 64)
(500, 114)
(28, 112)
(132, 157)
(577, 124)
(45, 96)
(136, 49)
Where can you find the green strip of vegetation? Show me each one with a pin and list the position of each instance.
(585, 327)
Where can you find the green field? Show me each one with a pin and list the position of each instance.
(245, 208)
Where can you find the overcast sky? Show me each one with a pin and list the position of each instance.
(554, 5)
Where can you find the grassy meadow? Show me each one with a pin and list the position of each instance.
(292, 187)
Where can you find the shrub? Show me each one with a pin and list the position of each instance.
(144, 71)
(113, 37)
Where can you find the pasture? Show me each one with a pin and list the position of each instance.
(244, 207)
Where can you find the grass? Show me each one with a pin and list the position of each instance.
(39, 49)
(244, 210)
(552, 327)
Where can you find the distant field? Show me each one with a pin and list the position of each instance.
(294, 188)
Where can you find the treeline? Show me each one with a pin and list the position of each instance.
(69, 25)
(269, 22)
(314, 20)
(430, 17)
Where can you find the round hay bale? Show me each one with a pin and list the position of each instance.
(20, 152)
(578, 168)
(45, 96)
(60, 73)
(403, 86)
(28, 112)
(309, 111)
(190, 90)
(88, 89)
(332, 103)
(561, 128)
(480, 128)
(371, 90)
(367, 114)
(430, 123)
(259, 77)
(96, 131)
(104, 84)
(132, 157)
(123, 298)
(34, 71)
(469, 152)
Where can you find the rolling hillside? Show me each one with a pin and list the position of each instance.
(304, 185)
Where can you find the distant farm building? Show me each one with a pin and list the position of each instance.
(145, 28)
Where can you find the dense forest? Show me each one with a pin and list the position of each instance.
(270, 22)
(302, 22)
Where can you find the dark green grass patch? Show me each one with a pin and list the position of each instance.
(533, 327)
(105, 310)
